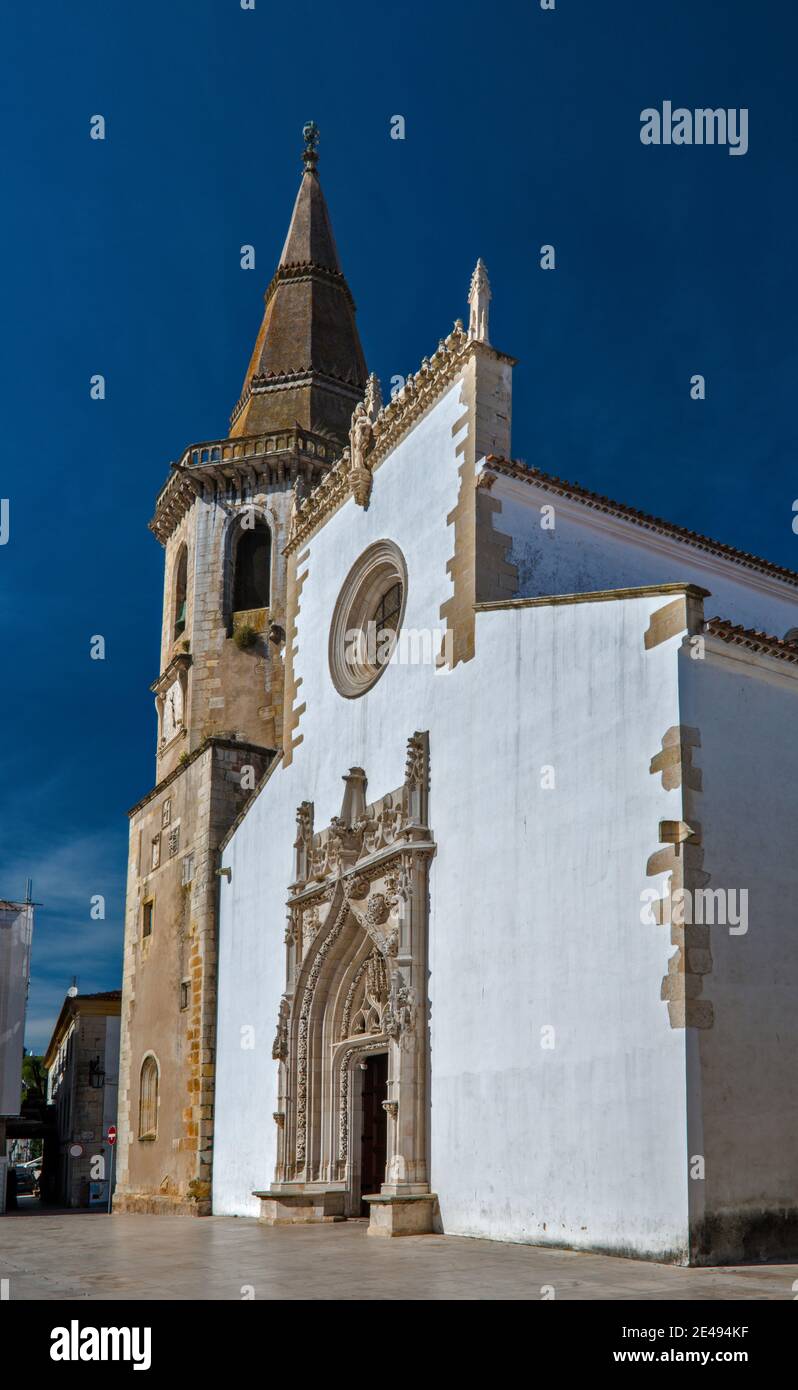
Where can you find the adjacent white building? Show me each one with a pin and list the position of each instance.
(16, 936)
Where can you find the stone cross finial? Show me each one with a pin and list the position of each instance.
(310, 154)
(479, 297)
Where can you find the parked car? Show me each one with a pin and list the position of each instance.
(26, 1182)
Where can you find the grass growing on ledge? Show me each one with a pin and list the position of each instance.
(245, 636)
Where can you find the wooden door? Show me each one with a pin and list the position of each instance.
(374, 1134)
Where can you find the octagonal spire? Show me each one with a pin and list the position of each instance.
(307, 366)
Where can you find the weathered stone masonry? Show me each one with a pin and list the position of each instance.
(221, 693)
(169, 979)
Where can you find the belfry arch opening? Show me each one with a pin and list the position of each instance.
(181, 589)
(252, 560)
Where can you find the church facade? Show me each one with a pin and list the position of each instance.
(489, 801)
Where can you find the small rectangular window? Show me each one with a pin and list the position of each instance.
(146, 919)
(184, 984)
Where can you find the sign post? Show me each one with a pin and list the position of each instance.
(111, 1137)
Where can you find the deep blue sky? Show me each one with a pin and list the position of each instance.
(122, 257)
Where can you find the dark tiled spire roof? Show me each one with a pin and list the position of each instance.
(307, 366)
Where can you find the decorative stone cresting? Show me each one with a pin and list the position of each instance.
(389, 424)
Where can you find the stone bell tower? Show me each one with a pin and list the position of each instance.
(222, 517)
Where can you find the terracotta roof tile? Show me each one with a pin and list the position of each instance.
(513, 469)
(752, 638)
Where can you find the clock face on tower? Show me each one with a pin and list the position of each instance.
(172, 711)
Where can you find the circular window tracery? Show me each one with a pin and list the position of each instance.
(367, 618)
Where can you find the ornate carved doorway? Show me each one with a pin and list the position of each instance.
(356, 991)
(373, 1126)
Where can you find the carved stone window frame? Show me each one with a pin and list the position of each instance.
(149, 1097)
(373, 574)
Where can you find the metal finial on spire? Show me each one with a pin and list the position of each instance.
(310, 154)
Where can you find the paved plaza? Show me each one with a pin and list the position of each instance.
(88, 1255)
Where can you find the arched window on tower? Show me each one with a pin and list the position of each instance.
(181, 578)
(148, 1099)
(253, 561)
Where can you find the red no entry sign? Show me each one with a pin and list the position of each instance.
(112, 1134)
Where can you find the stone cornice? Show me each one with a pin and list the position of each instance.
(596, 596)
(212, 742)
(286, 381)
(392, 423)
(320, 888)
(308, 270)
(203, 469)
(305, 376)
(180, 662)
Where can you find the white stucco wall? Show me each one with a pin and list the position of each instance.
(589, 550)
(743, 1071)
(535, 894)
(16, 935)
(536, 924)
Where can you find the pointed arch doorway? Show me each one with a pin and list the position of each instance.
(352, 1037)
(373, 1126)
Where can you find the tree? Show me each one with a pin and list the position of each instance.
(34, 1079)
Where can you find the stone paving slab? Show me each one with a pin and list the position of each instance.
(88, 1255)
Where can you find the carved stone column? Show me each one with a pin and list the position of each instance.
(404, 1205)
